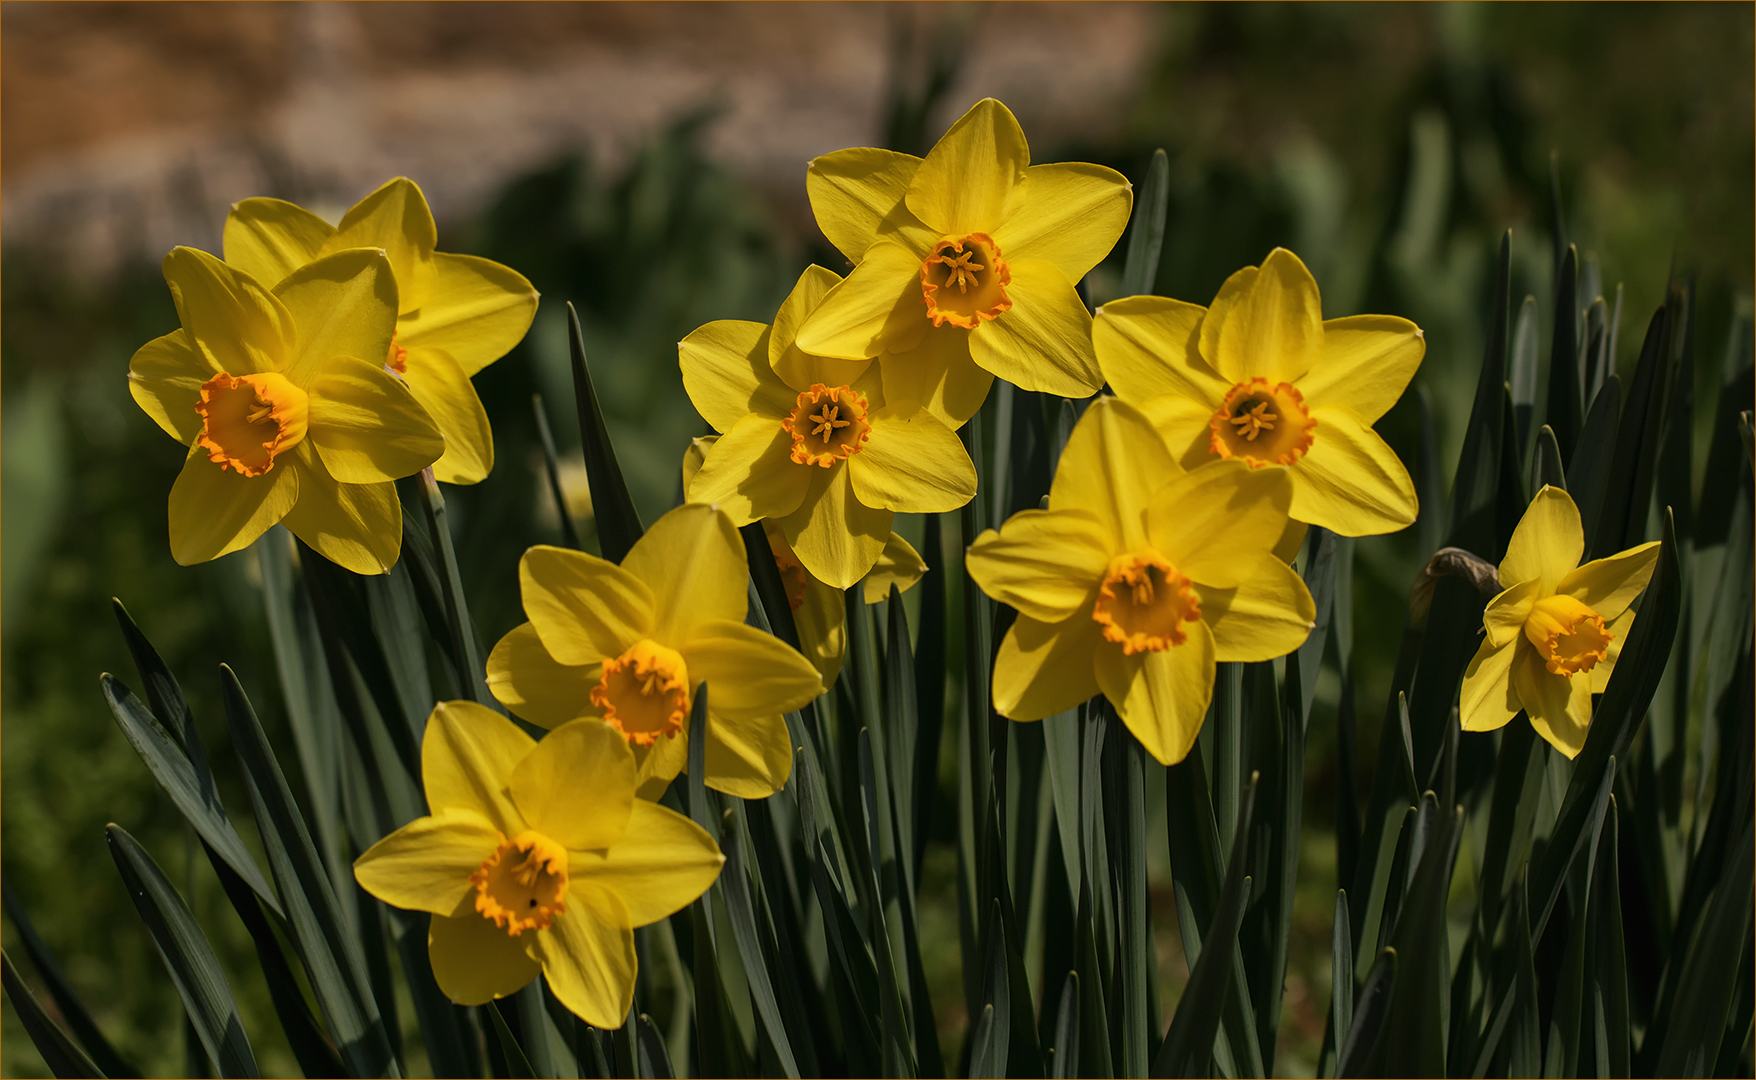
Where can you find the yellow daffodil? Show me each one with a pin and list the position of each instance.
(972, 250)
(819, 611)
(287, 410)
(456, 314)
(814, 443)
(1550, 640)
(1261, 377)
(1136, 579)
(536, 857)
(630, 643)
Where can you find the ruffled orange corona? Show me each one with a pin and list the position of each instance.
(1143, 602)
(1262, 424)
(963, 281)
(644, 693)
(246, 420)
(523, 885)
(828, 425)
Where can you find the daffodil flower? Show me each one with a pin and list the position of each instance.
(969, 256)
(288, 414)
(1551, 638)
(1261, 377)
(820, 611)
(814, 443)
(630, 644)
(536, 857)
(456, 314)
(1137, 579)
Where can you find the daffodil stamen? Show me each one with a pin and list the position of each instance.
(1568, 634)
(1262, 423)
(1143, 602)
(828, 425)
(644, 693)
(397, 359)
(523, 885)
(247, 420)
(973, 264)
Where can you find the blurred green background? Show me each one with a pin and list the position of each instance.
(1388, 145)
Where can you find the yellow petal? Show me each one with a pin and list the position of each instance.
(877, 306)
(577, 786)
(857, 198)
(899, 564)
(1148, 346)
(234, 322)
(1046, 668)
(913, 463)
(1161, 696)
(1269, 614)
(1503, 621)
(344, 305)
(474, 961)
(940, 375)
(822, 624)
(1559, 705)
(750, 474)
(1182, 423)
(1214, 523)
(1350, 482)
(467, 758)
(1488, 700)
(1609, 585)
(1364, 364)
(791, 364)
(836, 537)
(396, 219)
(693, 561)
(214, 511)
(1045, 563)
(1618, 628)
(727, 375)
(1292, 540)
(1073, 214)
(584, 608)
(356, 526)
(367, 426)
(750, 759)
(1043, 342)
(970, 180)
(1112, 465)
(1268, 323)
(526, 679)
(269, 238)
(695, 456)
(656, 766)
(588, 956)
(439, 384)
(165, 380)
(660, 866)
(749, 674)
(477, 310)
(426, 864)
(1547, 543)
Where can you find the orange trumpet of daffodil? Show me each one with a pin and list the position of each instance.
(1261, 377)
(536, 857)
(1551, 638)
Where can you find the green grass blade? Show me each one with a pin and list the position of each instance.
(60, 1053)
(1135, 953)
(655, 1060)
(331, 957)
(1522, 364)
(1563, 409)
(618, 523)
(1064, 1053)
(734, 887)
(1490, 1044)
(1707, 981)
(1609, 960)
(1341, 970)
(1417, 1023)
(193, 967)
(699, 810)
(1621, 521)
(552, 471)
(518, 1066)
(446, 1030)
(1147, 239)
(1369, 1016)
(460, 636)
(1476, 483)
(1094, 1025)
(1545, 464)
(993, 1036)
(61, 992)
(1588, 474)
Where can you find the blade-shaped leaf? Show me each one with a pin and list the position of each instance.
(1147, 238)
(618, 523)
(66, 999)
(1369, 1016)
(60, 1053)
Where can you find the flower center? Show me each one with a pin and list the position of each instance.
(523, 885)
(792, 572)
(1569, 636)
(397, 359)
(828, 425)
(1262, 424)
(247, 419)
(1144, 602)
(963, 281)
(644, 693)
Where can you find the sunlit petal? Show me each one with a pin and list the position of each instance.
(1161, 696)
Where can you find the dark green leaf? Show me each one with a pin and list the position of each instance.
(1563, 409)
(1417, 1022)
(61, 991)
(60, 1053)
(734, 886)
(1341, 970)
(1545, 466)
(1064, 1054)
(1707, 980)
(655, 1060)
(460, 638)
(1476, 484)
(1147, 238)
(618, 523)
(993, 1035)
(1369, 1016)
(517, 1065)
(1621, 521)
(552, 471)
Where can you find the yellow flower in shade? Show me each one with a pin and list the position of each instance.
(1551, 638)
(288, 414)
(456, 313)
(814, 443)
(1261, 377)
(537, 857)
(819, 611)
(1136, 579)
(630, 643)
(970, 256)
